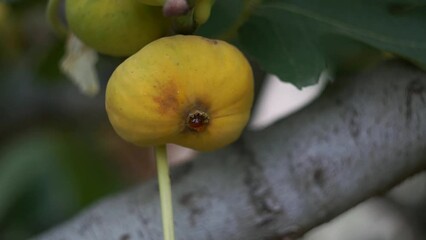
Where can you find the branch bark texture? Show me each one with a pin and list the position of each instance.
(364, 135)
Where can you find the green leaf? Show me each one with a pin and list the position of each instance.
(392, 26)
(346, 55)
(283, 47)
(224, 13)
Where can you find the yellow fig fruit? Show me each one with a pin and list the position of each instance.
(188, 90)
(115, 27)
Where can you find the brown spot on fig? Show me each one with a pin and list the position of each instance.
(166, 97)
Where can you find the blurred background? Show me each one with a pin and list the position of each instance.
(59, 154)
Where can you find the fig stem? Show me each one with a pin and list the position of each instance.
(165, 192)
(52, 14)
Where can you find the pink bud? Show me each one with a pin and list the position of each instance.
(175, 8)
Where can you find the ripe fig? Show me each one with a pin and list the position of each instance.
(188, 90)
(115, 27)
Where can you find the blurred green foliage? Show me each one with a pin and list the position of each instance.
(53, 161)
(47, 175)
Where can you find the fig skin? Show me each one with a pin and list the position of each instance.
(152, 94)
(115, 27)
(202, 11)
(153, 2)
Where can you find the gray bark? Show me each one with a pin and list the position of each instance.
(364, 135)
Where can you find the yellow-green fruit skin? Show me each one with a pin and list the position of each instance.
(202, 11)
(150, 95)
(153, 2)
(115, 27)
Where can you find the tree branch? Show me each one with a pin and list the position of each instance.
(364, 135)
